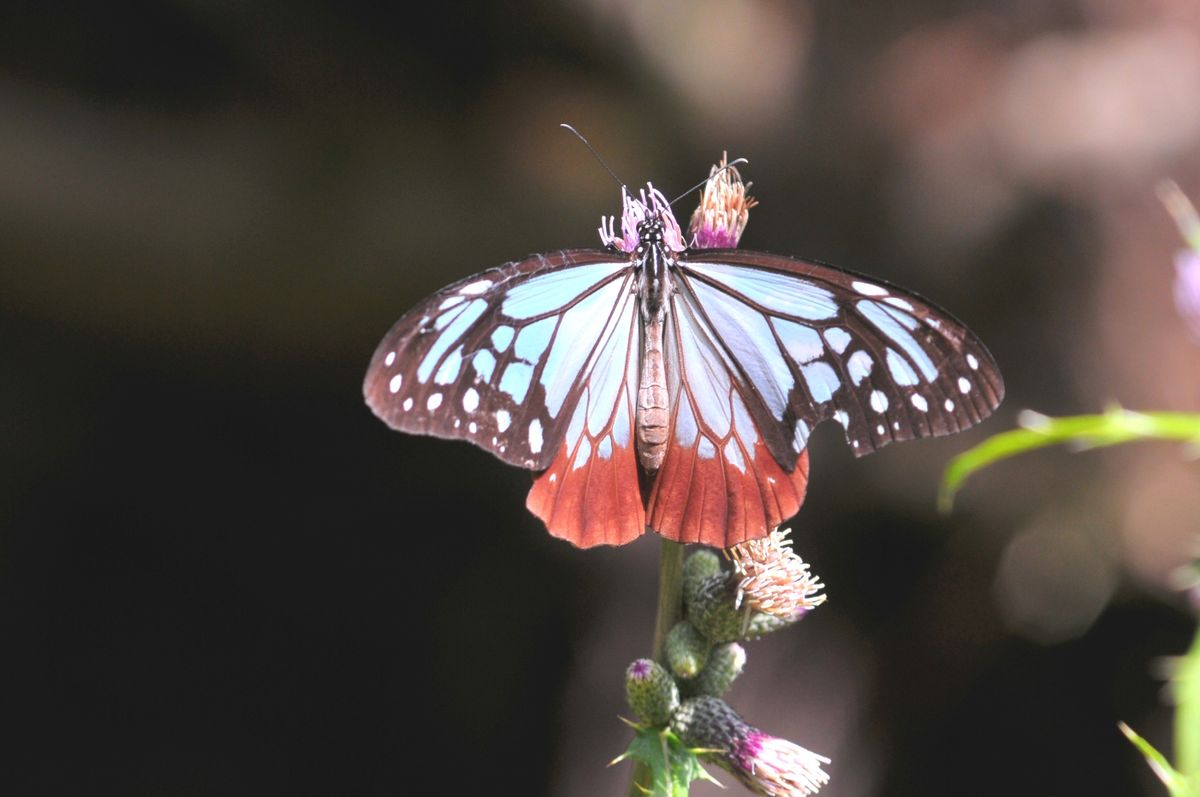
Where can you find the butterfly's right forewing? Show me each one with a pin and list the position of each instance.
(502, 358)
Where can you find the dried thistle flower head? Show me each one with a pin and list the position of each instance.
(773, 579)
(724, 209)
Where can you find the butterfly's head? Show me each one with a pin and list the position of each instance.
(650, 232)
(645, 219)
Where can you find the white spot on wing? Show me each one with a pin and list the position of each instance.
(434, 401)
(394, 384)
(475, 288)
(822, 381)
(801, 436)
(472, 427)
(838, 339)
(391, 358)
(408, 404)
(535, 436)
(501, 337)
(971, 361)
(503, 419)
(867, 289)
(879, 429)
(896, 301)
(581, 456)
(920, 403)
(470, 400)
(949, 405)
(901, 371)
(780, 293)
(859, 366)
(964, 385)
(841, 417)
(879, 400)
(448, 303)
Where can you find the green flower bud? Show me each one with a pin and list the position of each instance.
(651, 692)
(687, 650)
(725, 663)
(700, 565)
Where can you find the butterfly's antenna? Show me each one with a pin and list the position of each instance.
(596, 155)
(704, 182)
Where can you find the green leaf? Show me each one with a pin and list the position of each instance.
(1175, 783)
(1115, 426)
(672, 766)
(1187, 715)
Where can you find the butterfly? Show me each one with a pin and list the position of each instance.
(659, 385)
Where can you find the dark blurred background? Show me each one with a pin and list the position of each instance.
(221, 575)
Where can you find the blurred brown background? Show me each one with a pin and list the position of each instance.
(220, 575)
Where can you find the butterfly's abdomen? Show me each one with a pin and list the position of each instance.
(653, 407)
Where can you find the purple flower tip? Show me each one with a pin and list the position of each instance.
(641, 668)
(1187, 289)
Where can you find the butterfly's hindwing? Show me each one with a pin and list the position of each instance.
(589, 494)
(719, 483)
(501, 358)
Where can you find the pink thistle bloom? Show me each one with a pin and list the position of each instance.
(766, 764)
(649, 203)
(1187, 289)
(774, 580)
(724, 209)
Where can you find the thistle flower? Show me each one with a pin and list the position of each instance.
(774, 580)
(724, 209)
(634, 211)
(767, 765)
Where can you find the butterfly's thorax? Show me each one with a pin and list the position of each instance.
(654, 290)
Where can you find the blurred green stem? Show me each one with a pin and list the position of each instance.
(670, 612)
(1187, 717)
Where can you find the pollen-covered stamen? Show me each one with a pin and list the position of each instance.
(773, 579)
(650, 203)
(724, 209)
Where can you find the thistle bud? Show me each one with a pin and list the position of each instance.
(725, 664)
(697, 567)
(687, 650)
(651, 692)
(713, 612)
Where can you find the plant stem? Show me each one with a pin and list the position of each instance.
(670, 612)
(670, 594)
